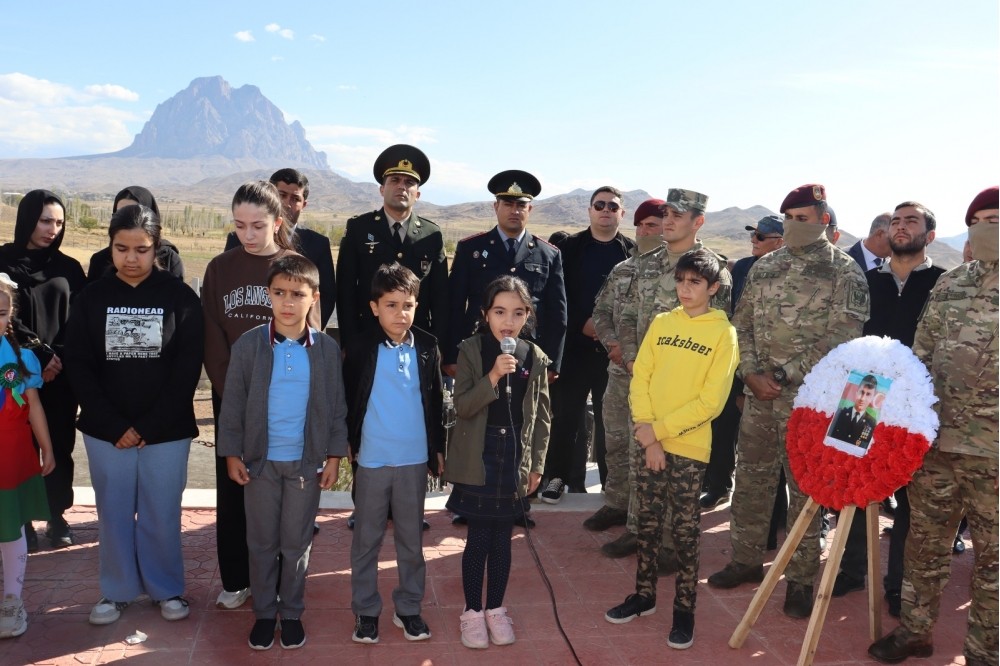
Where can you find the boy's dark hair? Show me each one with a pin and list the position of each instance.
(394, 277)
(295, 267)
(702, 262)
(136, 217)
(502, 284)
(291, 177)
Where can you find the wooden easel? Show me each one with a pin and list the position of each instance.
(822, 603)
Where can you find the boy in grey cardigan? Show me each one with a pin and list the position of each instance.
(282, 430)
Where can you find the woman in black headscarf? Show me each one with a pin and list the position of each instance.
(168, 256)
(47, 282)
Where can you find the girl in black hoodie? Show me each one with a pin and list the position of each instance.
(47, 282)
(134, 354)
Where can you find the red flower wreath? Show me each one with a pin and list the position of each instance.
(834, 478)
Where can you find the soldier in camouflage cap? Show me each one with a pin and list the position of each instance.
(957, 339)
(655, 292)
(800, 301)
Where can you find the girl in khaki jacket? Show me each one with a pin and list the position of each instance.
(497, 453)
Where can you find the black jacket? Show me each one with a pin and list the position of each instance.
(315, 247)
(359, 376)
(366, 246)
(896, 314)
(580, 306)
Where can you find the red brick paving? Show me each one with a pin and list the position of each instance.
(61, 586)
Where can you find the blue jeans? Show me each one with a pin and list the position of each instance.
(138, 494)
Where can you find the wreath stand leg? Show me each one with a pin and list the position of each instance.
(774, 573)
(874, 574)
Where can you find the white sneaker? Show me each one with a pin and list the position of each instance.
(174, 608)
(13, 618)
(106, 611)
(231, 600)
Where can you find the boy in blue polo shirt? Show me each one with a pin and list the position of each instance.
(397, 438)
(283, 418)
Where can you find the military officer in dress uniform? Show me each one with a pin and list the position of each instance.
(509, 248)
(394, 233)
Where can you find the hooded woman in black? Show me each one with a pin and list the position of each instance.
(168, 257)
(47, 282)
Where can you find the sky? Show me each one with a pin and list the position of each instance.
(881, 102)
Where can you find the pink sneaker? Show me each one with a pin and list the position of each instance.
(500, 626)
(474, 633)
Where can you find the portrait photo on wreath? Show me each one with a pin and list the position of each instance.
(853, 426)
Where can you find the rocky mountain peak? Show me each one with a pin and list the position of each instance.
(211, 118)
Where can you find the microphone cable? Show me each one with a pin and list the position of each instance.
(527, 530)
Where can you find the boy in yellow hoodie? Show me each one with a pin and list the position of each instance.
(680, 382)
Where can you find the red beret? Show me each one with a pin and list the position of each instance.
(988, 198)
(804, 195)
(649, 207)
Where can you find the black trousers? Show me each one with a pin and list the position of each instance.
(230, 521)
(59, 403)
(583, 373)
(854, 565)
(725, 431)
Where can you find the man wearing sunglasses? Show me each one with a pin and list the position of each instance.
(588, 257)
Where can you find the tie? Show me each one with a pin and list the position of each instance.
(395, 233)
(878, 261)
(511, 249)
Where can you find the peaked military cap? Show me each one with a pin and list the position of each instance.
(405, 159)
(804, 195)
(684, 200)
(515, 185)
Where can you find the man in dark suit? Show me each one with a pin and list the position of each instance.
(394, 233)
(853, 424)
(870, 252)
(293, 188)
(508, 248)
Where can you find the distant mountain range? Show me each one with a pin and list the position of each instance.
(202, 143)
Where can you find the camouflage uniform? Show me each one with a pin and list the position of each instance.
(618, 289)
(654, 292)
(798, 304)
(957, 339)
(669, 495)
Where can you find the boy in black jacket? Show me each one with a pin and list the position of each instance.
(397, 438)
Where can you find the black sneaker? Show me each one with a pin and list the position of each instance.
(427, 525)
(365, 629)
(459, 520)
(604, 518)
(262, 634)
(413, 626)
(634, 606)
(350, 521)
(59, 533)
(553, 491)
(293, 634)
(682, 632)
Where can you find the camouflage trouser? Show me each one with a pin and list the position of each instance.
(668, 502)
(617, 439)
(947, 485)
(760, 455)
(637, 462)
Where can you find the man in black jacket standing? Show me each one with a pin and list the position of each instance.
(393, 233)
(588, 257)
(293, 188)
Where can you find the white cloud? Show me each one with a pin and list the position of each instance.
(112, 91)
(317, 38)
(244, 36)
(278, 30)
(44, 118)
(344, 86)
(277, 58)
(353, 150)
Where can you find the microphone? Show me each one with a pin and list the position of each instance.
(507, 346)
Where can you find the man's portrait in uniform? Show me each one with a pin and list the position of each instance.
(857, 413)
